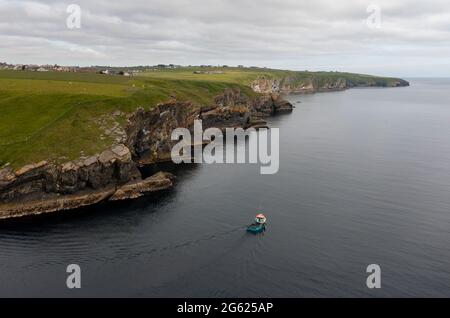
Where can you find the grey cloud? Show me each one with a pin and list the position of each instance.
(295, 34)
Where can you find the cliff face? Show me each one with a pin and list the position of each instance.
(113, 166)
(113, 174)
(149, 132)
(47, 202)
(291, 84)
(268, 85)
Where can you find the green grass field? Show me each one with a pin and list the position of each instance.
(245, 76)
(53, 116)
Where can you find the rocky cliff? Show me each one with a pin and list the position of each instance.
(113, 174)
(46, 187)
(314, 83)
(149, 132)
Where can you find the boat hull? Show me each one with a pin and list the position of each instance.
(256, 228)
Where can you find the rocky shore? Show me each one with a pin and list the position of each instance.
(114, 174)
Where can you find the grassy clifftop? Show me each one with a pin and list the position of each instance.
(62, 116)
(246, 76)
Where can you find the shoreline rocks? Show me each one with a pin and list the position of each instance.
(35, 181)
(55, 203)
(135, 189)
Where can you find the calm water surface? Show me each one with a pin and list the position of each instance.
(364, 178)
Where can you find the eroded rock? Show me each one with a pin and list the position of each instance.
(159, 181)
(28, 168)
(7, 175)
(53, 204)
(113, 167)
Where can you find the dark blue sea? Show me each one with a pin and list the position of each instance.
(364, 179)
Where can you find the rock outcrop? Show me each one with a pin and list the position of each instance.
(53, 203)
(110, 168)
(135, 189)
(271, 104)
(149, 131)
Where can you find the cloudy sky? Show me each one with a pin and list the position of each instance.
(407, 38)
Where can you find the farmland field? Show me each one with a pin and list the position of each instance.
(54, 115)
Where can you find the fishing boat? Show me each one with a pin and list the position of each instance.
(259, 225)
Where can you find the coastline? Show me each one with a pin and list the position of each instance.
(113, 175)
